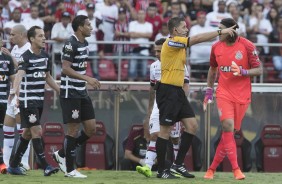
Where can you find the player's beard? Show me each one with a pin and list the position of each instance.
(232, 39)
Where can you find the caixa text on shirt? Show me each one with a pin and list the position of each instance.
(82, 64)
(226, 68)
(39, 74)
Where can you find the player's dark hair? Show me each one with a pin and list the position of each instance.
(78, 21)
(229, 22)
(174, 22)
(160, 41)
(32, 32)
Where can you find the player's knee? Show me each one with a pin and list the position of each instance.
(27, 135)
(90, 132)
(227, 126)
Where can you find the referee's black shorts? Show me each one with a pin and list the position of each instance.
(173, 104)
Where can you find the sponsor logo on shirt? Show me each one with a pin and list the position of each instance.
(176, 44)
(227, 68)
(82, 64)
(39, 74)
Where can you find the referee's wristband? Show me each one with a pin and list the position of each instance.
(219, 32)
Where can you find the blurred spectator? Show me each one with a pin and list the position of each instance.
(261, 26)
(24, 8)
(176, 12)
(140, 31)
(199, 54)
(214, 17)
(34, 19)
(6, 11)
(242, 28)
(60, 9)
(47, 15)
(208, 5)
(135, 150)
(276, 52)
(131, 13)
(164, 32)
(231, 6)
(273, 16)
(144, 4)
(266, 7)
(72, 7)
(109, 11)
(16, 20)
(97, 34)
(194, 8)
(14, 4)
(154, 19)
(277, 4)
(61, 31)
(2, 22)
(121, 32)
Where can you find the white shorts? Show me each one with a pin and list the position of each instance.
(12, 109)
(154, 123)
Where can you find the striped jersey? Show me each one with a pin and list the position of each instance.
(33, 83)
(6, 69)
(76, 53)
(155, 72)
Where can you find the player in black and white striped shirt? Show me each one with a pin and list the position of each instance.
(76, 104)
(33, 73)
(7, 75)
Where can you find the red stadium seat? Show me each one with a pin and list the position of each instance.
(89, 70)
(149, 62)
(95, 156)
(106, 69)
(136, 127)
(53, 138)
(239, 138)
(272, 148)
(188, 161)
(124, 70)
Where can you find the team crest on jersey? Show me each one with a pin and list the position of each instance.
(21, 60)
(32, 118)
(239, 55)
(68, 47)
(5, 65)
(75, 114)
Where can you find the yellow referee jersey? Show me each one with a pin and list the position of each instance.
(173, 59)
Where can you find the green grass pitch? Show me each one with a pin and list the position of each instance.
(127, 177)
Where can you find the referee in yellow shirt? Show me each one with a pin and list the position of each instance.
(171, 99)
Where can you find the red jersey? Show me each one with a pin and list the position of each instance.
(234, 88)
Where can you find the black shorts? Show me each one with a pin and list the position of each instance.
(173, 104)
(30, 116)
(2, 116)
(76, 110)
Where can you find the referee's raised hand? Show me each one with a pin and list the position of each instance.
(230, 30)
(94, 83)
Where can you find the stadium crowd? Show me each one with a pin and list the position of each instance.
(142, 21)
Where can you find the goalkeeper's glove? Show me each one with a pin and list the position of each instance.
(208, 97)
(237, 71)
